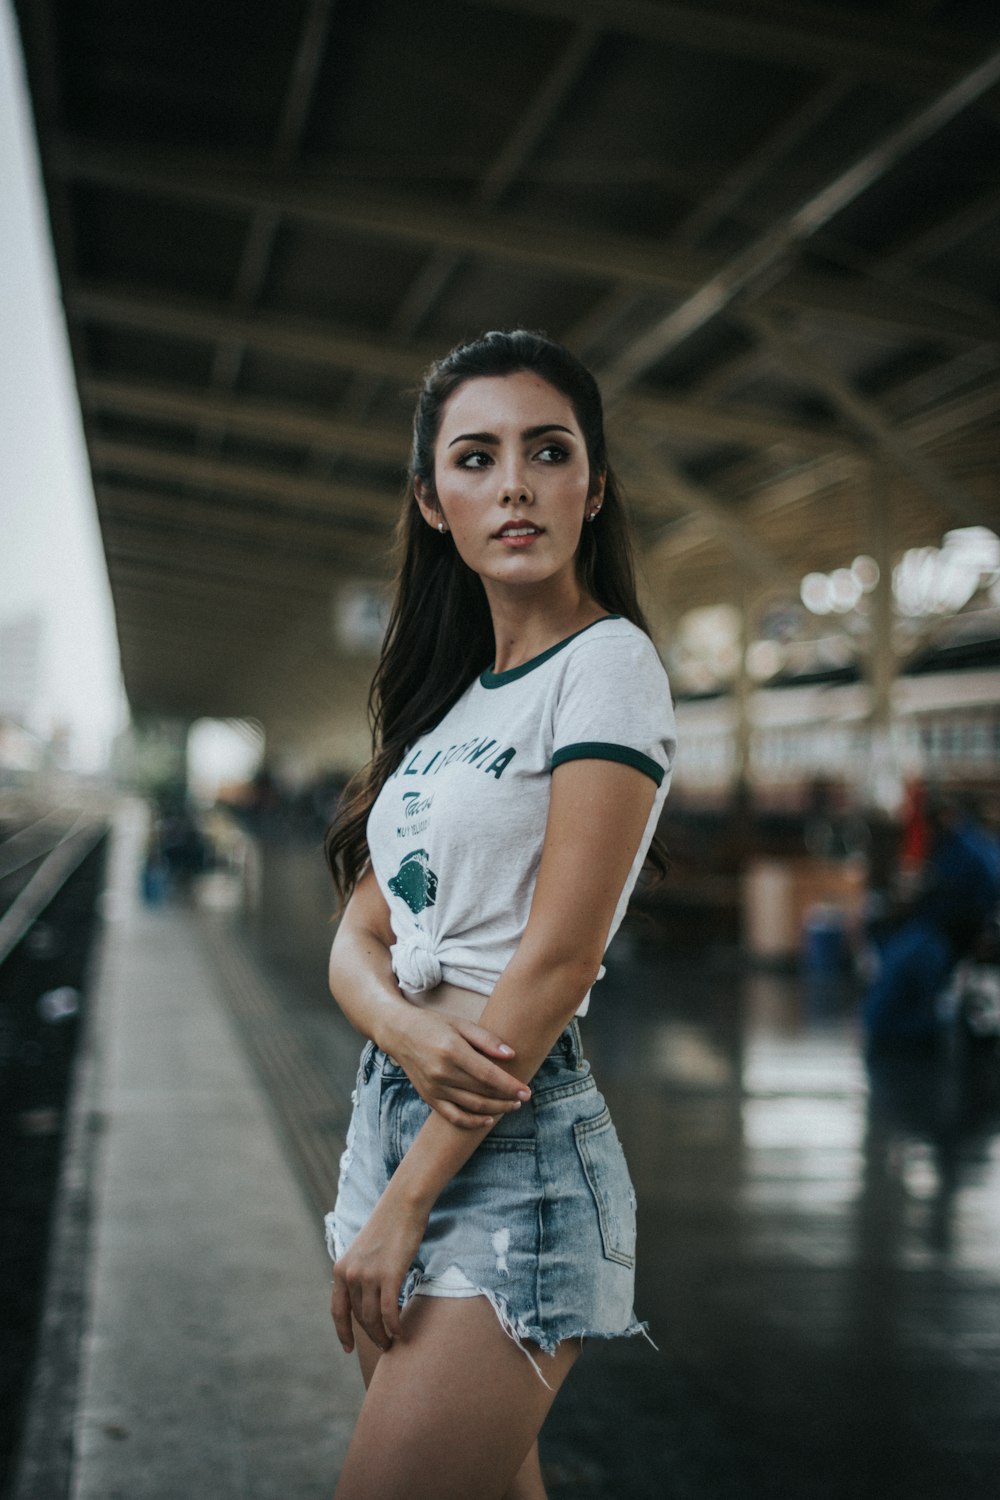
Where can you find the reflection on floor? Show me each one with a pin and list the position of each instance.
(819, 1255)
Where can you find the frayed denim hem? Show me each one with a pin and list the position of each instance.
(333, 1246)
(513, 1325)
(522, 1333)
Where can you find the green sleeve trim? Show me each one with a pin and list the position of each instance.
(601, 750)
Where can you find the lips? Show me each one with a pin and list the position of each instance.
(519, 529)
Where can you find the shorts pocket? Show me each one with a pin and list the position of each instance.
(603, 1162)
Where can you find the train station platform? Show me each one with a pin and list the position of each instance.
(818, 1230)
(208, 1365)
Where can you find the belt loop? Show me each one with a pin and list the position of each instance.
(368, 1061)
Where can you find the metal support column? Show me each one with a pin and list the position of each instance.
(742, 688)
(883, 776)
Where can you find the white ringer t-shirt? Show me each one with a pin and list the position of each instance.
(455, 835)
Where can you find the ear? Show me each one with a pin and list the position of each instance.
(427, 501)
(597, 493)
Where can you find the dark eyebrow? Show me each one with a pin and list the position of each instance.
(527, 434)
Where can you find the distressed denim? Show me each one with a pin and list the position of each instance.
(540, 1220)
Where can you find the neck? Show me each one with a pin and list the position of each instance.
(524, 624)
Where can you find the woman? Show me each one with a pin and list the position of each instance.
(523, 740)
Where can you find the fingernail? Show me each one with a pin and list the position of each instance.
(524, 1093)
(516, 1104)
(507, 1051)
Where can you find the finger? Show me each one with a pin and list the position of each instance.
(496, 1082)
(484, 1040)
(340, 1309)
(461, 1117)
(469, 1100)
(371, 1317)
(472, 1103)
(390, 1313)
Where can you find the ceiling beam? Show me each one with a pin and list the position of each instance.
(252, 416)
(924, 245)
(530, 125)
(234, 557)
(341, 502)
(966, 410)
(659, 472)
(258, 246)
(218, 563)
(543, 246)
(937, 239)
(727, 198)
(766, 254)
(803, 36)
(276, 334)
(864, 415)
(156, 576)
(723, 198)
(265, 532)
(283, 423)
(232, 184)
(740, 424)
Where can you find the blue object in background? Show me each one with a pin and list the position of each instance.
(155, 882)
(824, 941)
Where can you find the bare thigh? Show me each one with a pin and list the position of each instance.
(452, 1410)
(527, 1483)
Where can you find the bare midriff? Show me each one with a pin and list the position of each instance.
(452, 1000)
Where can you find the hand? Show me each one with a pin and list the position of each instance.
(368, 1276)
(447, 1059)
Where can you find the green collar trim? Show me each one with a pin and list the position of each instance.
(491, 679)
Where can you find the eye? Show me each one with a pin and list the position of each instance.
(476, 458)
(552, 453)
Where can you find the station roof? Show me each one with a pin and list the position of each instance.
(772, 228)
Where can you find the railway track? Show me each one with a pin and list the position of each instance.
(36, 861)
(51, 877)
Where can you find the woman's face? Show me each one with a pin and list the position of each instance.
(512, 478)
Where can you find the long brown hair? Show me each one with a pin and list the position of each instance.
(440, 631)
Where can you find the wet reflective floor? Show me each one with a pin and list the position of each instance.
(819, 1251)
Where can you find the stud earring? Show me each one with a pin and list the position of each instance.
(442, 527)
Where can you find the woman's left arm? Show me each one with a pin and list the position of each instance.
(598, 813)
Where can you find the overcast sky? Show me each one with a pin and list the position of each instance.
(51, 558)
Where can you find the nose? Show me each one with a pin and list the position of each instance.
(514, 488)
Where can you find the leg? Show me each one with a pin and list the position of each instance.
(528, 1483)
(453, 1409)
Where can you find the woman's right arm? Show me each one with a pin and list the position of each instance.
(446, 1058)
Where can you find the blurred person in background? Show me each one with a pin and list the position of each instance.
(953, 896)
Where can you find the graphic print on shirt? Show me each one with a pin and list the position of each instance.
(415, 882)
(481, 754)
(416, 807)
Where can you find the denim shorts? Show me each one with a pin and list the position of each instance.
(540, 1220)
